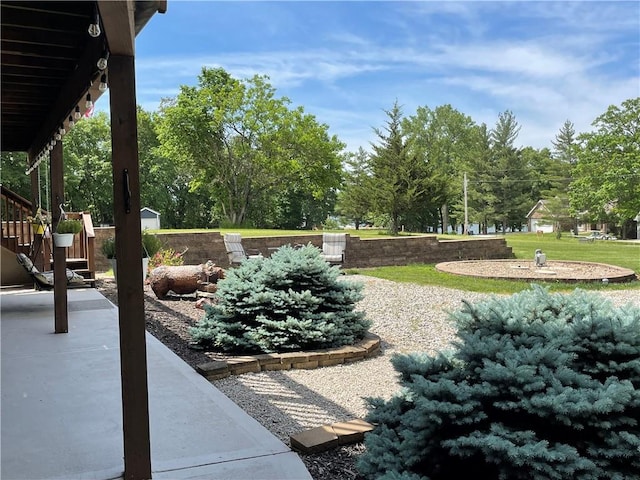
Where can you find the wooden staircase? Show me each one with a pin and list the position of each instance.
(20, 236)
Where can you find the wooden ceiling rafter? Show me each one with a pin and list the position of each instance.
(48, 61)
(42, 47)
(74, 89)
(62, 52)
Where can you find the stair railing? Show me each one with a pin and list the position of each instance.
(15, 229)
(18, 234)
(84, 243)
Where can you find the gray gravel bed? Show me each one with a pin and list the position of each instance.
(408, 317)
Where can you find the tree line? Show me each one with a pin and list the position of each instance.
(230, 152)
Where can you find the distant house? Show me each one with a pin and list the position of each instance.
(149, 219)
(537, 219)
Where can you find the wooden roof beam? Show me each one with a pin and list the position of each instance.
(116, 16)
(118, 21)
(70, 94)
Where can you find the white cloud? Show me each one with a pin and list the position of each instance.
(511, 57)
(545, 61)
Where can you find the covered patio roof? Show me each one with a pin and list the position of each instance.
(50, 68)
(49, 63)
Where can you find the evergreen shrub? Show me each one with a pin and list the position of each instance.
(539, 386)
(151, 244)
(291, 301)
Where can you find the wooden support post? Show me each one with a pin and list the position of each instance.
(59, 254)
(126, 202)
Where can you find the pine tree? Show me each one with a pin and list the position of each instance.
(291, 301)
(540, 386)
(396, 177)
(565, 144)
(511, 181)
(354, 200)
(481, 199)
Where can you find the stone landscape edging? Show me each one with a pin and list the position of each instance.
(366, 348)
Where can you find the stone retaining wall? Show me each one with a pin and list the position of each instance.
(368, 347)
(360, 253)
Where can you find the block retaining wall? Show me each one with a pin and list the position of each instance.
(360, 253)
(368, 347)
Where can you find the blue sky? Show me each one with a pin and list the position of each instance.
(347, 62)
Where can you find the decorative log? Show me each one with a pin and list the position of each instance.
(184, 279)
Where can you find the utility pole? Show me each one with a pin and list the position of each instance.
(466, 211)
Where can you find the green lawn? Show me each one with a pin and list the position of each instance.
(613, 252)
(524, 245)
(623, 254)
(256, 232)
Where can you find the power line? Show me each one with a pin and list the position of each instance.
(549, 179)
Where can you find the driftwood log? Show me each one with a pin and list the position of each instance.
(185, 279)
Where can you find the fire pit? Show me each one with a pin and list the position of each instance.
(550, 271)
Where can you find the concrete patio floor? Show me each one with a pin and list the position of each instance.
(61, 403)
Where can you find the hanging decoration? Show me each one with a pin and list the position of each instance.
(102, 63)
(103, 83)
(94, 28)
(103, 60)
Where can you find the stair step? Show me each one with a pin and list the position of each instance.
(89, 277)
(85, 272)
(80, 266)
(75, 263)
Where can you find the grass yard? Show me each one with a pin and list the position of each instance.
(256, 232)
(613, 252)
(524, 245)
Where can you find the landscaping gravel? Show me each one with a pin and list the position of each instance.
(408, 318)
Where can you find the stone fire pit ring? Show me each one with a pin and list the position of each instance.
(552, 271)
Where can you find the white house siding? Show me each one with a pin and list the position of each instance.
(535, 226)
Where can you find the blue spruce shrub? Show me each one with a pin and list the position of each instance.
(291, 301)
(539, 386)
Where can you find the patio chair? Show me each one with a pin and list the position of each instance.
(235, 250)
(333, 247)
(44, 280)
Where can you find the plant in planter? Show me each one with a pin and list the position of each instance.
(39, 221)
(65, 230)
(69, 226)
(108, 248)
(151, 244)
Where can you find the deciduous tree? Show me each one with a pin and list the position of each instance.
(607, 173)
(87, 167)
(245, 146)
(442, 139)
(14, 165)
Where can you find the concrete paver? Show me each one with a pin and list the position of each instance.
(325, 437)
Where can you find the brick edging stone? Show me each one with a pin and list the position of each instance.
(368, 347)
